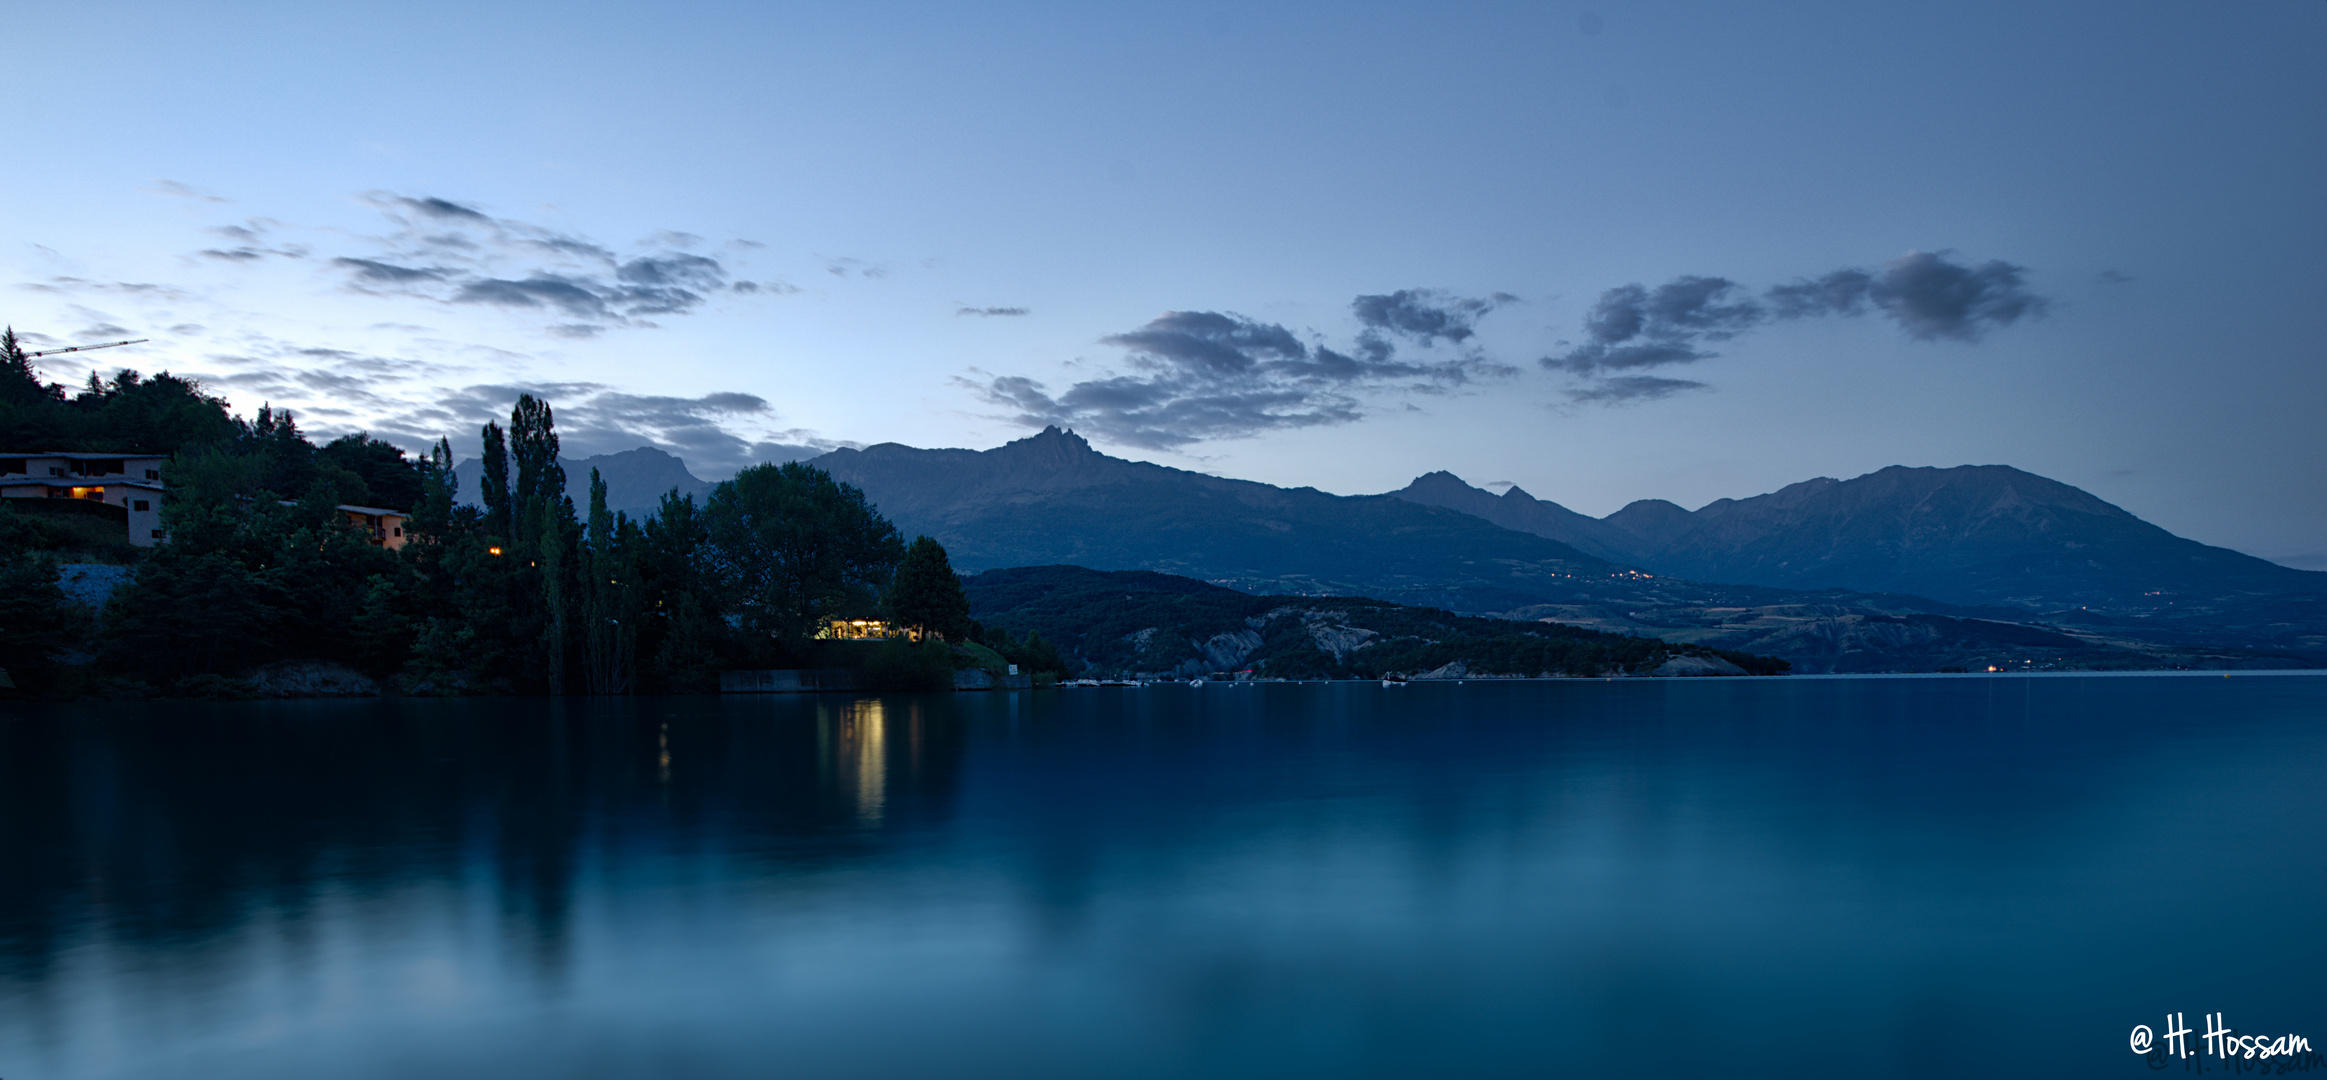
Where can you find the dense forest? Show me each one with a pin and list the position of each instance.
(523, 592)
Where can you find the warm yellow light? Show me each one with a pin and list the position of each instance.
(492, 551)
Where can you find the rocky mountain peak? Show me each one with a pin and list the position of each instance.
(1052, 447)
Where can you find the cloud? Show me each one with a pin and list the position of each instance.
(184, 191)
(457, 254)
(1932, 298)
(1636, 327)
(991, 312)
(413, 402)
(1843, 292)
(1928, 296)
(1200, 375)
(1419, 315)
(593, 418)
(373, 270)
(844, 267)
(143, 290)
(1622, 389)
(559, 293)
(443, 209)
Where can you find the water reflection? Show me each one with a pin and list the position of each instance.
(1319, 881)
(860, 750)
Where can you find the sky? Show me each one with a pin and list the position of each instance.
(1604, 251)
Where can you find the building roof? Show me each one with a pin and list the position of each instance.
(373, 510)
(12, 480)
(78, 454)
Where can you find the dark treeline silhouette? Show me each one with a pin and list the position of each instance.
(524, 593)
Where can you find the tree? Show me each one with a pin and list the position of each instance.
(19, 383)
(286, 458)
(685, 634)
(926, 596)
(36, 622)
(391, 479)
(610, 592)
(493, 487)
(533, 442)
(432, 515)
(790, 547)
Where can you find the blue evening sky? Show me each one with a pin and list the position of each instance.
(2080, 239)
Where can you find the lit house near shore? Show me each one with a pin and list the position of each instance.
(125, 491)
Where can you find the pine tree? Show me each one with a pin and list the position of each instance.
(19, 383)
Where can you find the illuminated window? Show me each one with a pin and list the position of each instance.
(857, 630)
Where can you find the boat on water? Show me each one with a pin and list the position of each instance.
(1394, 679)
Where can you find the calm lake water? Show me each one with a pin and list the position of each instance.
(1957, 876)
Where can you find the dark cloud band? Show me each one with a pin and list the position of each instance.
(1195, 376)
(1632, 327)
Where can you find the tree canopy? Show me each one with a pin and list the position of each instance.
(790, 547)
(926, 596)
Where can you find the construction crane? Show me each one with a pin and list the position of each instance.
(86, 348)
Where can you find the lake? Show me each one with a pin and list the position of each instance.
(1946, 876)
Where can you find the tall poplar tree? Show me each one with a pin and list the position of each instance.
(493, 488)
(611, 589)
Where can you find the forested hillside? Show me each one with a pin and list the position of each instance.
(1138, 622)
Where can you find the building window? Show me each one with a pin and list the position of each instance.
(157, 534)
(56, 470)
(153, 474)
(398, 530)
(141, 506)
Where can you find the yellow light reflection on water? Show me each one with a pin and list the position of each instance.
(864, 755)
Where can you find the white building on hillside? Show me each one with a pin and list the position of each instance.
(124, 488)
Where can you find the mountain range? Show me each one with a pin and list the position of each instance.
(1901, 569)
(1975, 534)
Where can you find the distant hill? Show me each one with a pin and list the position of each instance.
(1138, 622)
(1972, 535)
(1516, 509)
